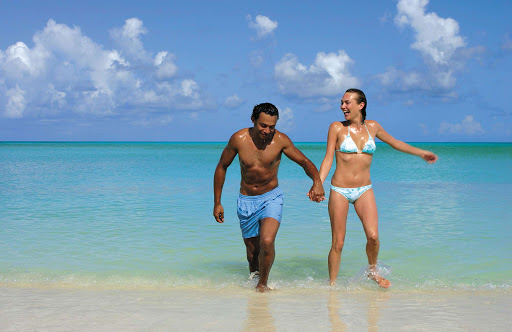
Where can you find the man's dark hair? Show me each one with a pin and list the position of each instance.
(266, 108)
(360, 99)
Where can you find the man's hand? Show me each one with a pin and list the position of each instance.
(316, 193)
(218, 213)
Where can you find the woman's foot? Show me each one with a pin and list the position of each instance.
(382, 282)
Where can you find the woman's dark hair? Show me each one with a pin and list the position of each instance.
(360, 99)
(266, 108)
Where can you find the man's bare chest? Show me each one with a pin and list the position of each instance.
(267, 158)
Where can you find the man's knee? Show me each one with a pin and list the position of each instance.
(267, 242)
(252, 252)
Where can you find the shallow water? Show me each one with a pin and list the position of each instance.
(139, 216)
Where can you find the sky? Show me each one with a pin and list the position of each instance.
(432, 71)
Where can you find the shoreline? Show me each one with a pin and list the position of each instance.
(239, 309)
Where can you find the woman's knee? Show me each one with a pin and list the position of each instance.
(373, 238)
(337, 245)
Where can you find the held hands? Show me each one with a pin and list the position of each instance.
(218, 213)
(429, 157)
(316, 193)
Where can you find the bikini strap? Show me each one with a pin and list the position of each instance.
(348, 131)
(369, 136)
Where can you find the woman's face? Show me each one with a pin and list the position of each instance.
(350, 107)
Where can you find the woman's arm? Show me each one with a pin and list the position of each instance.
(329, 152)
(428, 156)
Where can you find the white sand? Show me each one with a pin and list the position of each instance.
(237, 309)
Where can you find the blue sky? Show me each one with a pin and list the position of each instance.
(193, 70)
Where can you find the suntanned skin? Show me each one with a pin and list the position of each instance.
(353, 170)
(259, 151)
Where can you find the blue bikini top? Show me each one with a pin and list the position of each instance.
(349, 146)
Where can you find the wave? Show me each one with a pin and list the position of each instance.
(167, 281)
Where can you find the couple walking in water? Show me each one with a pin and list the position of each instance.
(259, 148)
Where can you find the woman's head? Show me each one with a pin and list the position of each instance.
(360, 98)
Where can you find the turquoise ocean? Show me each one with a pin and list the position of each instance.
(139, 216)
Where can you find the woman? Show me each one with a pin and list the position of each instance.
(353, 144)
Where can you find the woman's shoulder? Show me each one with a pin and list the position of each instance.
(339, 124)
(372, 123)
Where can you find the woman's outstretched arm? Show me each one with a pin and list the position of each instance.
(428, 156)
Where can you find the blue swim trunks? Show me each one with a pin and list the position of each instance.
(252, 209)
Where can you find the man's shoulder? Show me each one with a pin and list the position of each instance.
(281, 138)
(239, 135)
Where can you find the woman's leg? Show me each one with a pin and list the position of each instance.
(366, 209)
(338, 210)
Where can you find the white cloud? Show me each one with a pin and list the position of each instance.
(438, 41)
(66, 71)
(56, 98)
(15, 103)
(436, 38)
(328, 76)
(164, 62)
(189, 88)
(263, 25)
(233, 101)
(286, 120)
(469, 126)
(128, 38)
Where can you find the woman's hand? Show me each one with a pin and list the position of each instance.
(429, 157)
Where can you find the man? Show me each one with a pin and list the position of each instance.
(260, 200)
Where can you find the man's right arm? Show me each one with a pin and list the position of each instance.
(226, 159)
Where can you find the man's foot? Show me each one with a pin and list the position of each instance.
(262, 288)
(254, 275)
(382, 282)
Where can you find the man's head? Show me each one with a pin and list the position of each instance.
(265, 116)
(266, 108)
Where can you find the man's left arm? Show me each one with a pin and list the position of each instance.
(316, 193)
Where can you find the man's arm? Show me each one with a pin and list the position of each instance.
(428, 156)
(226, 159)
(316, 193)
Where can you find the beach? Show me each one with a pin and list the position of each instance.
(120, 236)
(28, 309)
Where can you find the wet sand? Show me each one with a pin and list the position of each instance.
(237, 309)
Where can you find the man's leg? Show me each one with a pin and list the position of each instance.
(268, 231)
(252, 246)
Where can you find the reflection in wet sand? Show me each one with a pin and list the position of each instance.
(337, 323)
(259, 316)
(376, 301)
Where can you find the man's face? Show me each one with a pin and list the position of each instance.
(265, 125)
